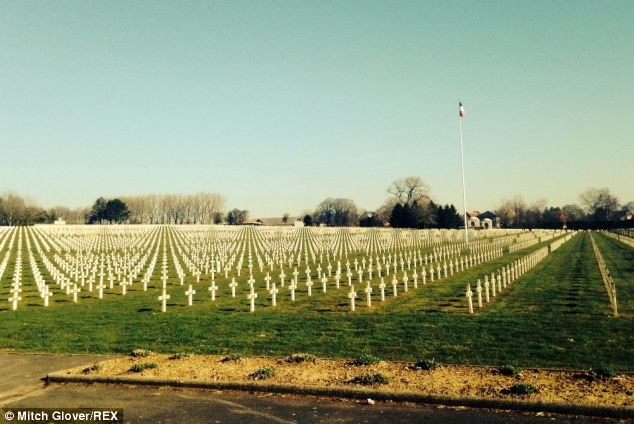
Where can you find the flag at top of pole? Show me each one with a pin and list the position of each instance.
(462, 113)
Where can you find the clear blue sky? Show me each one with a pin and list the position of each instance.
(280, 104)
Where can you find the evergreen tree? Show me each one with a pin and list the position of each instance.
(396, 219)
(116, 211)
(98, 211)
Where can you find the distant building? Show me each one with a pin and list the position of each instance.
(59, 221)
(483, 221)
(278, 221)
(299, 223)
(254, 222)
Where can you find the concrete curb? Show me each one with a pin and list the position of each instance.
(355, 393)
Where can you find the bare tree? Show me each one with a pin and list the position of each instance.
(337, 212)
(384, 212)
(573, 212)
(599, 203)
(15, 210)
(410, 189)
(512, 212)
(11, 208)
(175, 208)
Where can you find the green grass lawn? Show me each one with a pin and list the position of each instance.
(556, 316)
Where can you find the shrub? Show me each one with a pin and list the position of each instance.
(263, 373)
(138, 367)
(141, 353)
(94, 367)
(523, 389)
(509, 370)
(369, 379)
(300, 357)
(427, 364)
(232, 357)
(180, 355)
(603, 372)
(366, 360)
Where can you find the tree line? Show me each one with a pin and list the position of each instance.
(199, 208)
(409, 205)
(598, 208)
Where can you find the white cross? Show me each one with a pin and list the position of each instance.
(352, 294)
(292, 288)
(382, 287)
(252, 296)
(75, 290)
(493, 287)
(233, 286)
(274, 292)
(469, 300)
(394, 285)
(124, 285)
(479, 291)
(100, 287)
(46, 294)
(163, 298)
(213, 289)
(14, 299)
(368, 292)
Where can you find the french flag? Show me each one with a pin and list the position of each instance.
(461, 111)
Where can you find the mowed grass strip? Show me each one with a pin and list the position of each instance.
(619, 258)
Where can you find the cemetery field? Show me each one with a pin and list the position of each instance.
(551, 308)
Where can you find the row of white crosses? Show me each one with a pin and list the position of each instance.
(503, 277)
(42, 287)
(625, 236)
(610, 286)
(16, 288)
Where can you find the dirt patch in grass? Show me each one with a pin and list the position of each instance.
(446, 380)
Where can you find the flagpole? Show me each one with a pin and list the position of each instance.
(464, 190)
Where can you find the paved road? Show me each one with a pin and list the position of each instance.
(24, 373)
(153, 405)
(24, 389)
